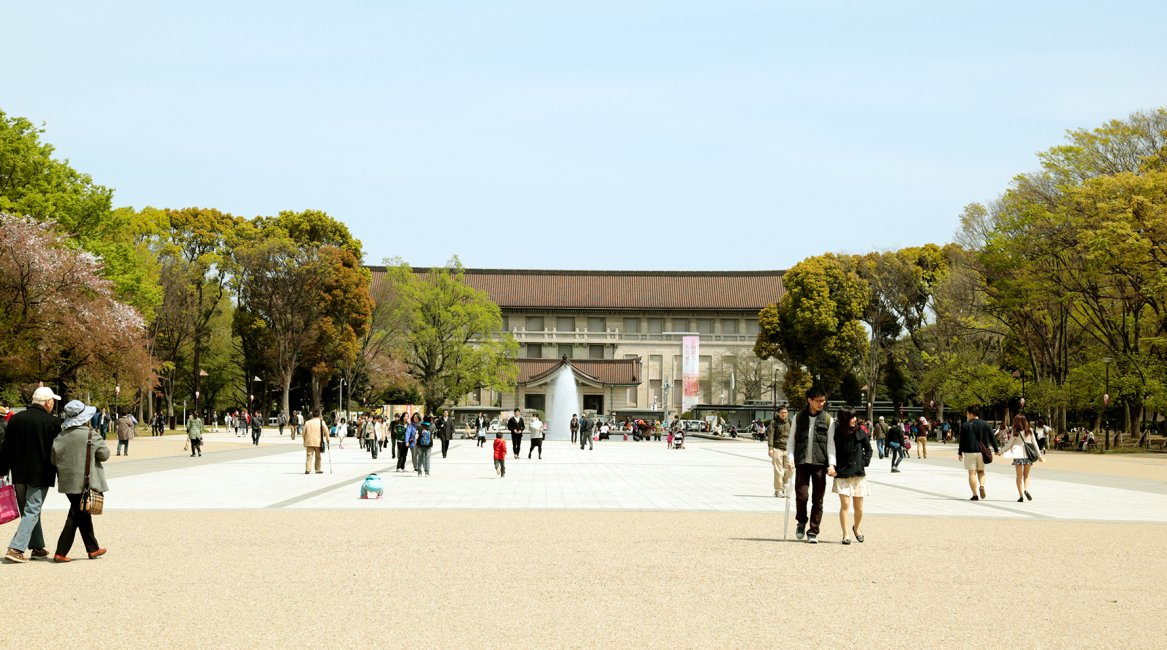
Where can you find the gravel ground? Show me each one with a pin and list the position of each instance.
(536, 579)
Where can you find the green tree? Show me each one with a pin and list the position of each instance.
(453, 340)
(814, 329)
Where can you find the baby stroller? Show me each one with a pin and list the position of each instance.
(679, 440)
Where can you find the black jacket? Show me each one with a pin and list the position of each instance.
(895, 434)
(516, 425)
(28, 447)
(975, 432)
(852, 454)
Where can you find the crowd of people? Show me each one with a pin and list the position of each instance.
(40, 450)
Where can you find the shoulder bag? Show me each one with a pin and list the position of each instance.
(92, 501)
(1032, 452)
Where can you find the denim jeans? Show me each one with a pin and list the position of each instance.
(30, 498)
(123, 444)
(897, 454)
(882, 447)
(423, 462)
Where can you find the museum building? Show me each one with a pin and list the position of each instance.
(619, 332)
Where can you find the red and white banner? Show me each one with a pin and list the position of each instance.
(690, 372)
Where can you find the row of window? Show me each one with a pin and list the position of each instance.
(633, 325)
(535, 351)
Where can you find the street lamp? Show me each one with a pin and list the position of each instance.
(1106, 400)
(117, 392)
(341, 405)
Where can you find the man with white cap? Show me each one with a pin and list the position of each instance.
(881, 436)
(27, 454)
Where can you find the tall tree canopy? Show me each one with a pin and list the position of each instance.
(450, 340)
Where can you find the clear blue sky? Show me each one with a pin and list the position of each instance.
(602, 135)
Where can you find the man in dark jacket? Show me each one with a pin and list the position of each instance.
(445, 431)
(27, 454)
(516, 426)
(974, 433)
(811, 449)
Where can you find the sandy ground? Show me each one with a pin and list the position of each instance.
(538, 579)
(1149, 467)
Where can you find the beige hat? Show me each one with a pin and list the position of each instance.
(44, 394)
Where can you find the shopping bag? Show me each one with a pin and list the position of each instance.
(9, 510)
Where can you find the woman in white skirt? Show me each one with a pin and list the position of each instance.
(1021, 436)
(853, 455)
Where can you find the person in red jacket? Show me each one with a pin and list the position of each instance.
(500, 455)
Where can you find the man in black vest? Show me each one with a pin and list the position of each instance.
(516, 426)
(811, 449)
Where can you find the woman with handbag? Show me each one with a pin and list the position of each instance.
(853, 455)
(1022, 448)
(77, 454)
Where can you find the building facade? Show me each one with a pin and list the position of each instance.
(621, 331)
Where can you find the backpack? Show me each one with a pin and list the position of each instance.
(425, 438)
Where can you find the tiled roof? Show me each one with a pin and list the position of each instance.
(623, 290)
(618, 372)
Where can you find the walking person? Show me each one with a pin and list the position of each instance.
(776, 437)
(446, 431)
(481, 425)
(811, 449)
(1043, 434)
(516, 426)
(194, 431)
(881, 436)
(400, 440)
(922, 438)
(27, 455)
(78, 451)
(975, 434)
(895, 445)
(282, 421)
(425, 445)
(500, 455)
(536, 438)
(1023, 450)
(125, 429)
(256, 428)
(411, 431)
(585, 432)
(574, 427)
(853, 455)
(315, 436)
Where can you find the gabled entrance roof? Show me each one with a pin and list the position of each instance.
(592, 372)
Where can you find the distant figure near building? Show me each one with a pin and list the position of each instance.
(881, 437)
(516, 426)
(125, 429)
(574, 426)
(481, 425)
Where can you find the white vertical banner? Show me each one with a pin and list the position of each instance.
(690, 372)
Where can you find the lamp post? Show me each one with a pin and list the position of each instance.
(1106, 400)
(341, 406)
(117, 392)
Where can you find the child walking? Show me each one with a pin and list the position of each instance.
(500, 455)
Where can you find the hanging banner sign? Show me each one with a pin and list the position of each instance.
(690, 372)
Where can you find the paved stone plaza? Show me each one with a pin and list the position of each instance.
(716, 475)
(629, 545)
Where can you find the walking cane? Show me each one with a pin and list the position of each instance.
(786, 518)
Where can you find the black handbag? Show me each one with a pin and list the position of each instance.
(986, 454)
(1032, 452)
